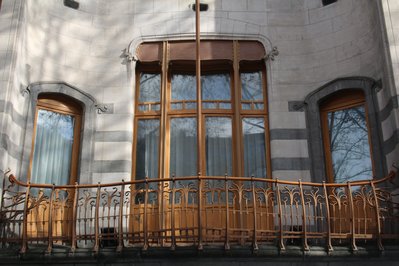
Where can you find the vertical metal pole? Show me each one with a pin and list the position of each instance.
(280, 218)
(50, 222)
(199, 116)
(25, 222)
(121, 206)
(198, 79)
(145, 247)
(305, 241)
(172, 215)
(200, 247)
(97, 220)
(329, 244)
(352, 219)
(226, 188)
(377, 217)
(74, 216)
(254, 243)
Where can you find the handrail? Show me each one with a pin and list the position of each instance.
(13, 179)
(198, 210)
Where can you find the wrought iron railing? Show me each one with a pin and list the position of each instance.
(198, 211)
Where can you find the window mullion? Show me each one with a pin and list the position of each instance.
(164, 109)
(237, 116)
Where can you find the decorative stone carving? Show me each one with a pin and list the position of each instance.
(104, 108)
(273, 53)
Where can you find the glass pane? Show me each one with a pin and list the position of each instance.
(183, 146)
(150, 87)
(251, 84)
(246, 106)
(53, 148)
(209, 105)
(156, 107)
(349, 144)
(225, 105)
(218, 142)
(147, 147)
(191, 105)
(254, 147)
(177, 106)
(184, 87)
(259, 106)
(143, 107)
(216, 87)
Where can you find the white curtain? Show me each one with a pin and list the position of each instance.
(254, 148)
(53, 148)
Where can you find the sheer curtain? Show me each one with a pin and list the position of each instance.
(218, 142)
(147, 154)
(53, 148)
(254, 147)
(183, 146)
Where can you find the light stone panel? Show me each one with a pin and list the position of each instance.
(289, 148)
(287, 120)
(114, 122)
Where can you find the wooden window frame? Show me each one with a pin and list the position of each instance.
(340, 101)
(234, 68)
(63, 105)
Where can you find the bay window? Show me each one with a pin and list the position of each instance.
(234, 111)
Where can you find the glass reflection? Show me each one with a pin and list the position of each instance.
(183, 87)
(251, 90)
(216, 87)
(150, 87)
(349, 145)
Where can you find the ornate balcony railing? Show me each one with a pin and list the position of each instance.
(198, 211)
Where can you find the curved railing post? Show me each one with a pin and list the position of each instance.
(328, 219)
(74, 216)
(200, 247)
(172, 214)
(226, 188)
(145, 221)
(352, 219)
(120, 224)
(280, 218)
(377, 216)
(50, 222)
(254, 241)
(25, 222)
(304, 230)
(97, 220)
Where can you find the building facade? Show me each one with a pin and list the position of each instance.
(291, 89)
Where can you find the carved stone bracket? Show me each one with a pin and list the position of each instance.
(378, 85)
(296, 106)
(24, 91)
(104, 108)
(273, 53)
(129, 56)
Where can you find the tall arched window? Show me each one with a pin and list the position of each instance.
(56, 138)
(346, 137)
